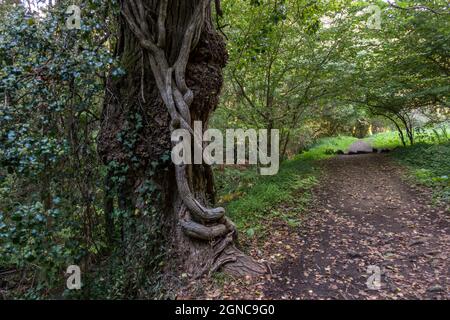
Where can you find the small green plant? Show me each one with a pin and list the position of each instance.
(429, 165)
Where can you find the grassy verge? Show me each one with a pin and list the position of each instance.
(427, 161)
(252, 200)
(429, 165)
(392, 140)
(389, 140)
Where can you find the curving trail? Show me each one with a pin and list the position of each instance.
(365, 215)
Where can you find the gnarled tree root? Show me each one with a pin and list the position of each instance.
(234, 262)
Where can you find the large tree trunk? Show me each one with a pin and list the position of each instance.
(173, 59)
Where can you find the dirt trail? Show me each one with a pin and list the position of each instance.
(365, 215)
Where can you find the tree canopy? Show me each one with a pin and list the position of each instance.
(86, 116)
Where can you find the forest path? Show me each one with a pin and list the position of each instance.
(364, 215)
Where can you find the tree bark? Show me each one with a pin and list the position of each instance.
(173, 59)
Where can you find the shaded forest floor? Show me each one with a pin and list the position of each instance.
(362, 214)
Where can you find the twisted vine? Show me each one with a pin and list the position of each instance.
(177, 97)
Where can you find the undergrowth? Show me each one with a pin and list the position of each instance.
(429, 165)
(427, 161)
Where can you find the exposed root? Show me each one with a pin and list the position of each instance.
(234, 262)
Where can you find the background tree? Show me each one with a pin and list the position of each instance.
(402, 70)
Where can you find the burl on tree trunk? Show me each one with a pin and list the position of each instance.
(173, 59)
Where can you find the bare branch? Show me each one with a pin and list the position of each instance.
(418, 7)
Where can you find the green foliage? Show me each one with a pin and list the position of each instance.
(427, 160)
(283, 71)
(429, 165)
(322, 148)
(401, 71)
(51, 88)
(259, 202)
(318, 70)
(41, 241)
(390, 139)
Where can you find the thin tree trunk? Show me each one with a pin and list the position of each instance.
(408, 127)
(399, 129)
